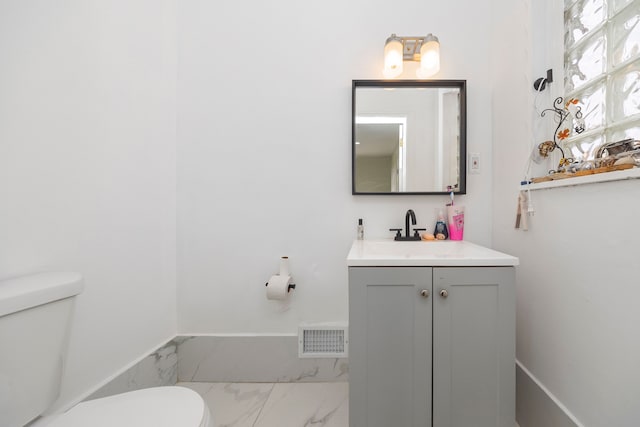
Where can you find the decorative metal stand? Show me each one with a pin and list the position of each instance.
(562, 115)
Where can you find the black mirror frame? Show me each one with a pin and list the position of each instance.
(460, 84)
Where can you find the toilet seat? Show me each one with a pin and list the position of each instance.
(153, 407)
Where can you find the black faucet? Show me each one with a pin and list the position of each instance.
(410, 215)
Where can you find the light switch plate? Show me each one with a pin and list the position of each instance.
(474, 163)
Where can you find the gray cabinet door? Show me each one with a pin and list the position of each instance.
(474, 347)
(390, 330)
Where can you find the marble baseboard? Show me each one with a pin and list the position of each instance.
(259, 359)
(160, 368)
(229, 359)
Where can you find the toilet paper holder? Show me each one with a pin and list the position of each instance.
(284, 271)
(291, 286)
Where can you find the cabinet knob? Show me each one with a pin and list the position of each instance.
(444, 293)
(425, 293)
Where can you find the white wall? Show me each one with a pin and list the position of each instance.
(264, 149)
(88, 160)
(87, 168)
(577, 281)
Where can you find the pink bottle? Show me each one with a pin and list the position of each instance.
(456, 222)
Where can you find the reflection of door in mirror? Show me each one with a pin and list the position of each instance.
(449, 125)
(409, 137)
(380, 155)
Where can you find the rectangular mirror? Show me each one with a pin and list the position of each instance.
(409, 136)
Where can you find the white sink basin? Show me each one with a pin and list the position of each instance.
(422, 253)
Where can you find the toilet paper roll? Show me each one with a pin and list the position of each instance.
(278, 287)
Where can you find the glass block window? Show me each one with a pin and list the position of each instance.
(602, 71)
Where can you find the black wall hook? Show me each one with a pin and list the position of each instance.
(541, 83)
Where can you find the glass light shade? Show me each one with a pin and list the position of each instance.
(392, 57)
(429, 57)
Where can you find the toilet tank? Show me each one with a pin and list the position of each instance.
(35, 318)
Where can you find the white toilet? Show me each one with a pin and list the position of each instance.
(35, 318)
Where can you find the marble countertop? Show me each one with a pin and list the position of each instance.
(447, 253)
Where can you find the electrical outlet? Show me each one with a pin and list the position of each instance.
(474, 163)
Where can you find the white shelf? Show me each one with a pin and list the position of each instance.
(587, 179)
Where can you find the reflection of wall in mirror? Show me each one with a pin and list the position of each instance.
(395, 172)
(374, 174)
(422, 162)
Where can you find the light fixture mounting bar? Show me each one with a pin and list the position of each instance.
(411, 47)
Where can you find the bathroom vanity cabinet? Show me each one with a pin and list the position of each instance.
(432, 335)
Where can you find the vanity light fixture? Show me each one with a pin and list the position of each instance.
(423, 49)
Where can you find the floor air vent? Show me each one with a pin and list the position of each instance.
(322, 341)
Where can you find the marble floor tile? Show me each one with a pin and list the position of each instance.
(306, 404)
(233, 404)
(275, 405)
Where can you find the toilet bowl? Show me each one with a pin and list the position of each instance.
(35, 317)
(152, 407)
